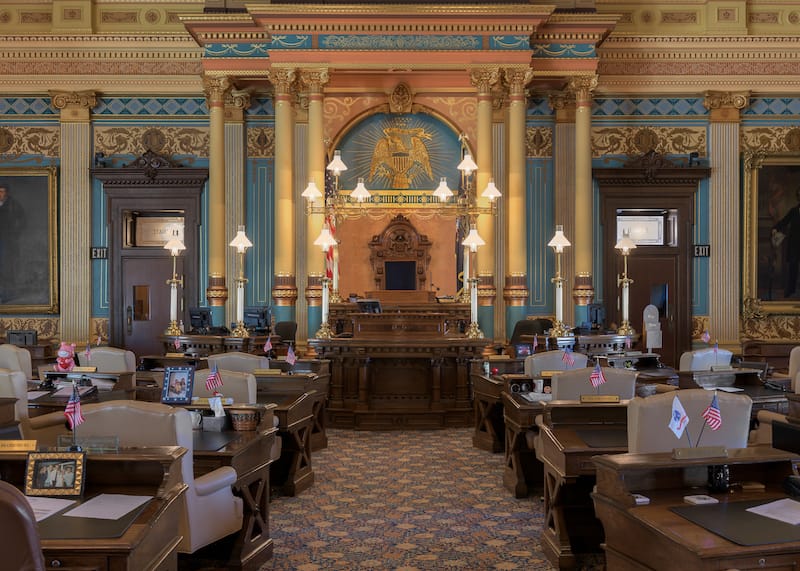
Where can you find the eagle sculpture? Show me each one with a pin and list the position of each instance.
(401, 156)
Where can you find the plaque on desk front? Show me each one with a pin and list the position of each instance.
(84, 369)
(599, 398)
(17, 445)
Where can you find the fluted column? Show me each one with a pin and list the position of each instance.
(75, 277)
(515, 291)
(284, 290)
(236, 102)
(583, 287)
(217, 291)
(483, 79)
(313, 81)
(723, 188)
(564, 176)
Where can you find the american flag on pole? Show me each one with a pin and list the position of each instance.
(628, 342)
(99, 340)
(329, 252)
(705, 337)
(597, 377)
(214, 380)
(88, 351)
(567, 357)
(713, 415)
(716, 347)
(73, 410)
(291, 358)
(268, 345)
(535, 341)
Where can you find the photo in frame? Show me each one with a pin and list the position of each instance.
(178, 385)
(28, 237)
(55, 474)
(772, 238)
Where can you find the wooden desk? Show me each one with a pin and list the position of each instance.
(293, 472)
(205, 345)
(570, 435)
(522, 472)
(457, 315)
(747, 379)
(151, 541)
(47, 403)
(249, 454)
(381, 384)
(654, 537)
(489, 433)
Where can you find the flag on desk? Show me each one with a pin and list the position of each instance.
(268, 345)
(535, 341)
(290, 356)
(678, 420)
(716, 347)
(706, 336)
(88, 351)
(567, 357)
(713, 415)
(214, 380)
(99, 340)
(73, 410)
(597, 377)
(628, 342)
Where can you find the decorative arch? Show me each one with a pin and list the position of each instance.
(396, 249)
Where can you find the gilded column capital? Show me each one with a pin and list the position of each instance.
(74, 105)
(726, 106)
(283, 80)
(582, 86)
(215, 88)
(484, 78)
(313, 80)
(236, 102)
(516, 78)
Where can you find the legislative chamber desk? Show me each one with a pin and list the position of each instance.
(570, 434)
(489, 433)
(399, 371)
(763, 396)
(671, 534)
(205, 345)
(522, 471)
(147, 540)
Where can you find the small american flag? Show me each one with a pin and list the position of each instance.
(290, 356)
(88, 351)
(628, 342)
(268, 345)
(214, 380)
(597, 377)
(716, 348)
(99, 340)
(705, 337)
(568, 358)
(535, 342)
(73, 410)
(177, 343)
(713, 415)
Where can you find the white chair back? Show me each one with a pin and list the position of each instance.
(704, 359)
(552, 361)
(570, 385)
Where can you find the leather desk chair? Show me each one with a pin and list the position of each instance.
(570, 385)
(704, 359)
(19, 531)
(46, 428)
(241, 387)
(110, 360)
(238, 361)
(648, 421)
(762, 434)
(16, 358)
(211, 511)
(551, 361)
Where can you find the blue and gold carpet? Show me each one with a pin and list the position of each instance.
(406, 501)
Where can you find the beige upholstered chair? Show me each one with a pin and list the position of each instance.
(241, 387)
(794, 370)
(762, 434)
(704, 359)
(649, 417)
(44, 428)
(16, 358)
(570, 385)
(211, 511)
(19, 531)
(551, 361)
(237, 361)
(110, 360)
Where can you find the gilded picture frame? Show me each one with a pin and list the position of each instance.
(28, 240)
(55, 474)
(771, 276)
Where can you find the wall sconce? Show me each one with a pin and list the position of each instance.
(175, 246)
(558, 243)
(471, 244)
(625, 245)
(241, 243)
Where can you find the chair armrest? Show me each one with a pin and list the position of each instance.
(768, 417)
(47, 420)
(212, 482)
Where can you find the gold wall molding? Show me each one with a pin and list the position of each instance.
(18, 141)
(632, 141)
(45, 327)
(136, 140)
(768, 140)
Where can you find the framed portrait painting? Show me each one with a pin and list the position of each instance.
(54, 474)
(772, 232)
(28, 244)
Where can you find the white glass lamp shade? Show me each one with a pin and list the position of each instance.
(312, 192)
(337, 166)
(325, 239)
(174, 245)
(241, 242)
(360, 192)
(491, 191)
(559, 241)
(443, 191)
(467, 165)
(473, 239)
(625, 244)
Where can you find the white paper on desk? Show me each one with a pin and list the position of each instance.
(108, 506)
(45, 507)
(725, 389)
(36, 394)
(786, 510)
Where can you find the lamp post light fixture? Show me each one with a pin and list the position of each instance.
(241, 242)
(325, 241)
(625, 245)
(558, 243)
(471, 244)
(175, 246)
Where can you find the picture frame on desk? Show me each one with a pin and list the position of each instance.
(178, 385)
(28, 232)
(771, 252)
(55, 474)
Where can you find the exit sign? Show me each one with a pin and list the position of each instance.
(96, 253)
(702, 250)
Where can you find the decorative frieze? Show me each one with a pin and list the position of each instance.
(633, 141)
(168, 141)
(20, 141)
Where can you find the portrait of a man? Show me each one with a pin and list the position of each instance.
(12, 226)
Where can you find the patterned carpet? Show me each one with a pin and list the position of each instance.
(407, 501)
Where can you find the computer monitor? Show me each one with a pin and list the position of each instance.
(200, 319)
(257, 318)
(369, 305)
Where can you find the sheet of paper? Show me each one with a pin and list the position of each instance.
(108, 506)
(725, 389)
(36, 394)
(785, 510)
(45, 507)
